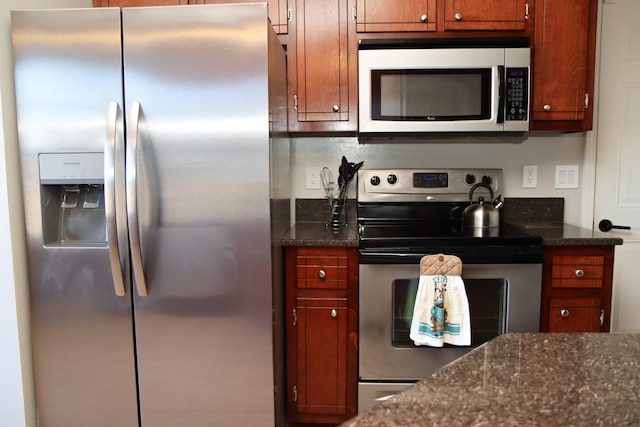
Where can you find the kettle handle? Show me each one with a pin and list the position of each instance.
(480, 184)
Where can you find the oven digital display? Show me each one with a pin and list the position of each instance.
(430, 180)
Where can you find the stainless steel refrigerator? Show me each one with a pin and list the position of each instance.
(155, 165)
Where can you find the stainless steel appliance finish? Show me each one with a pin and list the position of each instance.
(443, 86)
(153, 284)
(404, 214)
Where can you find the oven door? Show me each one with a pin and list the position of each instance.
(502, 298)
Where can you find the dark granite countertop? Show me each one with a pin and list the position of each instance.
(540, 216)
(319, 234)
(532, 379)
(571, 235)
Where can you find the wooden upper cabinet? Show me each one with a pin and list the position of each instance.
(322, 67)
(277, 11)
(135, 3)
(398, 15)
(509, 15)
(564, 64)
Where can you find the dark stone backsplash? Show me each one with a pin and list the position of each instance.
(317, 210)
(532, 212)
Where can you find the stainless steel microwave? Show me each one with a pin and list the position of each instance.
(443, 86)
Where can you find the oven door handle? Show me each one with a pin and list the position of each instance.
(404, 257)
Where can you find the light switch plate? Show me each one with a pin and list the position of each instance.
(567, 176)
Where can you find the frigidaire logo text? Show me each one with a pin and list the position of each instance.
(71, 163)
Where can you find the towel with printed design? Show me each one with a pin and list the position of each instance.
(441, 310)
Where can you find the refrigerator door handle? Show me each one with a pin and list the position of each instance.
(114, 117)
(132, 199)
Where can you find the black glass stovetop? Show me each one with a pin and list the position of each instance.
(421, 228)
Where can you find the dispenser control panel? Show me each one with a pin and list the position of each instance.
(71, 168)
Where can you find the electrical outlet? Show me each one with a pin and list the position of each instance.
(529, 176)
(313, 178)
(567, 176)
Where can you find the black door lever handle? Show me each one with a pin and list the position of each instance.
(606, 225)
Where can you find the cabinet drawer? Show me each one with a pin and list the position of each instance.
(574, 315)
(577, 272)
(322, 270)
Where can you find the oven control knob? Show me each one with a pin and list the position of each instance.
(375, 180)
(470, 178)
(487, 180)
(392, 179)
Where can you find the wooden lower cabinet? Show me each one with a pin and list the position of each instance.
(322, 336)
(576, 289)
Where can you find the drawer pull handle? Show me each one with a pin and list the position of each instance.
(424, 18)
(334, 313)
(458, 16)
(322, 274)
(564, 313)
(579, 273)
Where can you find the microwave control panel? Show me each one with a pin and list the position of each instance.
(517, 105)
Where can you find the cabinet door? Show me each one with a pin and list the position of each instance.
(574, 315)
(486, 15)
(135, 3)
(321, 388)
(322, 71)
(277, 11)
(564, 61)
(398, 15)
(322, 325)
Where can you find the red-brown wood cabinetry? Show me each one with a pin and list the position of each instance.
(576, 289)
(322, 67)
(322, 322)
(563, 65)
(486, 15)
(399, 15)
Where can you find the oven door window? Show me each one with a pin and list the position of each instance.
(431, 95)
(487, 306)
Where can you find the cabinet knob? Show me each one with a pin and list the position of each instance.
(336, 108)
(334, 313)
(322, 274)
(547, 107)
(579, 273)
(424, 18)
(564, 313)
(458, 16)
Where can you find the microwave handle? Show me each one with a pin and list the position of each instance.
(501, 89)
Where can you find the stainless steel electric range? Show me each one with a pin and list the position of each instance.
(405, 214)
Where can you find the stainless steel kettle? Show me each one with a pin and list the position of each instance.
(482, 214)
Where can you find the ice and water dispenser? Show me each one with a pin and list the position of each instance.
(72, 199)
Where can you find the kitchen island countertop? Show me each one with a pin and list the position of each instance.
(525, 379)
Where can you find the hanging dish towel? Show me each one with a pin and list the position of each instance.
(441, 310)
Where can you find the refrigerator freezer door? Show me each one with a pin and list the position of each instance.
(204, 330)
(67, 69)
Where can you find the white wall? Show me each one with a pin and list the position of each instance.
(546, 150)
(17, 406)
